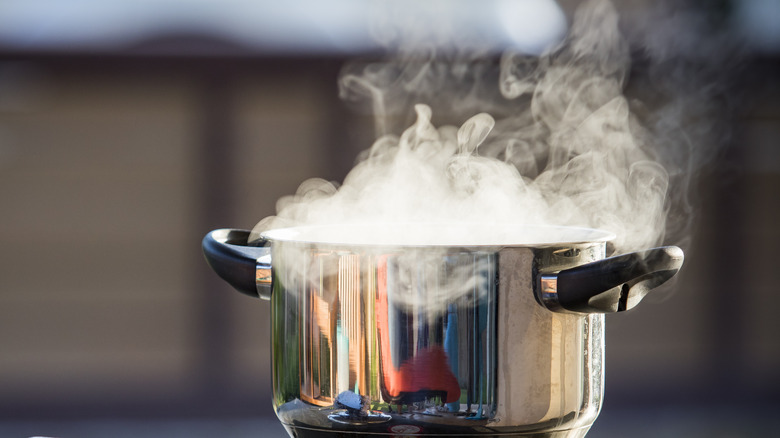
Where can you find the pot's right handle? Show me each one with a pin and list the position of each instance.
(246, 267)
(610, 285)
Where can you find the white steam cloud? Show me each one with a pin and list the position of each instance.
(526, 139)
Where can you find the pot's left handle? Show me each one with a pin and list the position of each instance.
(245, 267)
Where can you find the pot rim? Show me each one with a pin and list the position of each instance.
(428, 234)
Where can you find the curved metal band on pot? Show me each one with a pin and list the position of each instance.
(548, 292)
(263, 276)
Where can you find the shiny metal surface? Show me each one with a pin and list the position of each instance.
(438, 341)
(263, 276)
(548, 291)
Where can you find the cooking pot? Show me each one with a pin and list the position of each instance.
(433, 330)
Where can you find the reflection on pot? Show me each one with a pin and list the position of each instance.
(362, 326)
(357, 333)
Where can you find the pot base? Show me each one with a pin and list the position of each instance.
(346, 417)
(399, 430)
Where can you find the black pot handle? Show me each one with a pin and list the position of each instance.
(245, 266)
(611, 285)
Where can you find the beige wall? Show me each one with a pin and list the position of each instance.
(104, 296)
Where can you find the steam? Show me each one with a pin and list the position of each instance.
(529, 140)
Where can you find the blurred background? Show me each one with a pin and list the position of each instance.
(130, 129)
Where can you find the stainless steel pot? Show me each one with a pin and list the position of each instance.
(463, 337)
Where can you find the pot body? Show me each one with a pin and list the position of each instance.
(430, 341)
